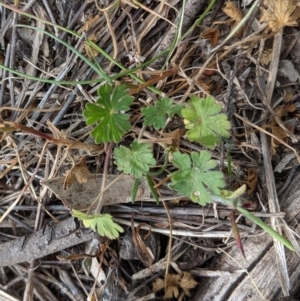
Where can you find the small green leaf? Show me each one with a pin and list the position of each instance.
(203, 122)
(157, 115)
(108, 114)
(103, 223)
(195, 179)
(152, 189)
(135, 161)
(135, 189)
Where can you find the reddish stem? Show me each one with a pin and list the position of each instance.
(236, 232)
(29, 130)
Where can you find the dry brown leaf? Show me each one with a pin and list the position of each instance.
(157, 285)
(69, 179)
(282, 111)
(266, 57)
(208, 72)
(60, 138)
(172, 138)
(158, 77)
(79, 172)
(290, 108)
(81, 196)
(288, 97)
(187, 283)
(91, 52)
(175, 138)
(90, 22)
(252, 181)
(235, 14)
(280, 13)
(279, 133)
(212, 35)
(232, 11)
(184, 281)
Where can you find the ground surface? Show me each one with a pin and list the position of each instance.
(49, 164)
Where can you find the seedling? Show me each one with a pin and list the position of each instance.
(234, 200)
(103, 223)
(108, 114)
(135, 161)
(195, 177)
(204, 122)
(157, 115)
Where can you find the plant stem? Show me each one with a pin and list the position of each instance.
(253, 218)
(104, 178)
(33, 131)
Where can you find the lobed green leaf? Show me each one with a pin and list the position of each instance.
(195, 178)
(135, 161)
(157, 115)
(108, 114)
(204, 123)
(103, 223)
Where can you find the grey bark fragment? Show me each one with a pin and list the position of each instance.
(53, 238)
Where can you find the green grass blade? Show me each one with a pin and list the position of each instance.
(92, 65)
(135, 189)
(266, 227)
(255, 219)
(87, 82)
(94, 46)
(178, 33)
(229, 164)
(239, 25)
(21, 12)
(162, 169)
(152, 189)
(131, 71)
(200, 19)
(49, 81)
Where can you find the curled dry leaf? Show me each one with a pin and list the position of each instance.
(79, 172)
(89, 23)
(232, 11)
(175, 282)
(91, 52)
(251, 181)
(235, 14)
(173, 138)
(279, 133)
(212, 35)
(280, 13)
(284, 110)
(266, 57)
